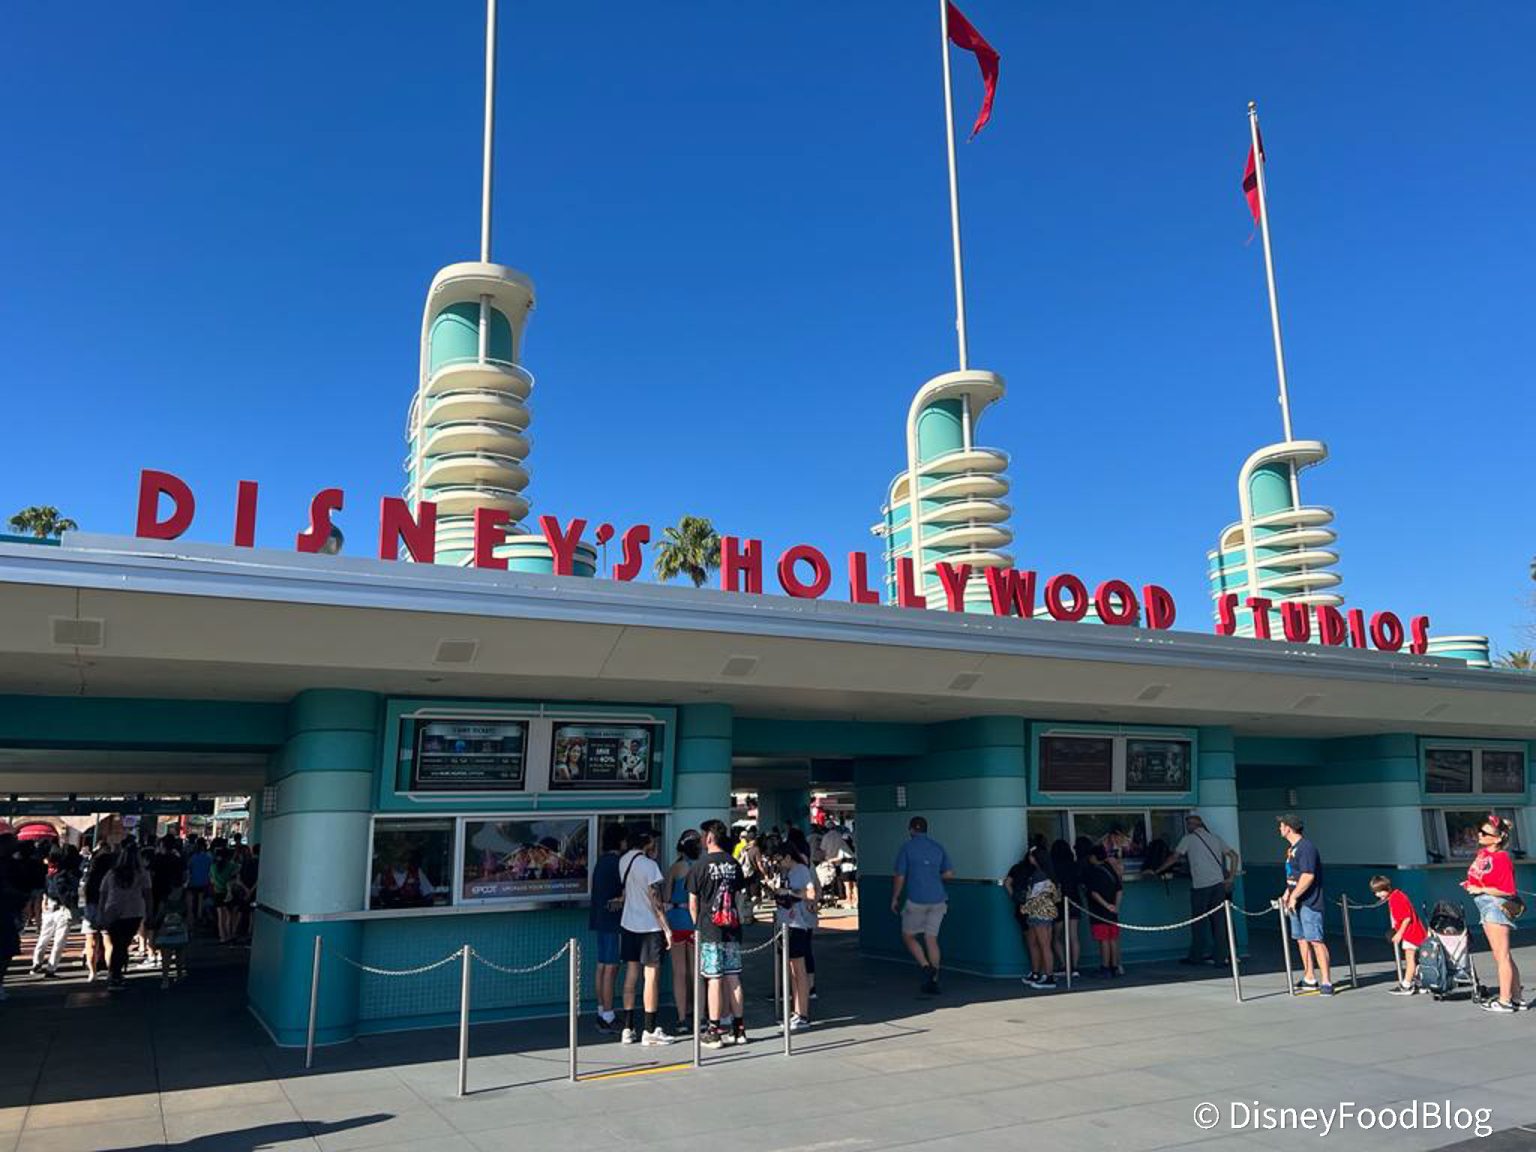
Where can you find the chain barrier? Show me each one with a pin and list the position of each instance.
(764, 946)
(528, 971)
(1273, 904)
(456, 954)
(1146, 927)
(1346, 902)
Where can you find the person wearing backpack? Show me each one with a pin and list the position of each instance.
(61, 899)
(1213, 866)
(644, 936)
(715, 888)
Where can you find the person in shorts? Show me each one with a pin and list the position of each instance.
(643, 936)
(715, 889)
(1407, 932)
(690, 846)
(603, 919)
(1104, 889)
(922, 866)
(795, 912)
(1303, 901)
(1491, 884)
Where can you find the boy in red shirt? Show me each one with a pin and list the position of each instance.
(1407, 931)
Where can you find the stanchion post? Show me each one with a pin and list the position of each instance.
(784, 973)
(780, 992)
(314, 1004)
(1349, 943)
(1237, 980)
(1397, 961)
(464, 1024)
(1066, 937)
(575, 992)
(1285, 946)
(698, 1006)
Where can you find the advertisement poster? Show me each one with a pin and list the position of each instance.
(1157, 766)
(469, 756)
(602, 756)
(1076, 764)
(540, 858)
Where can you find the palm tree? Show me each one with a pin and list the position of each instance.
(42, 521)
(1521, 658)
(692, 549)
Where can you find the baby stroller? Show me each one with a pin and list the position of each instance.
(1445, 957)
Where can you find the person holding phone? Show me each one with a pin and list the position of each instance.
(1491, 884)
(795, 899)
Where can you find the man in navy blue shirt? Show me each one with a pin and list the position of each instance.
(922, 866)
(1303, 900)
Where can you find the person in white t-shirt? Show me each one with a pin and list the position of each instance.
(1213, 866)
(644, 936)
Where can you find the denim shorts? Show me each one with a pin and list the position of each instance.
(1307, 924)
(1490, 910)
(607, 947)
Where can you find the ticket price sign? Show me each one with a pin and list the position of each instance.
(603, 757)
(469, 756)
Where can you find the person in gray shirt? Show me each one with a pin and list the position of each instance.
(1213, 865)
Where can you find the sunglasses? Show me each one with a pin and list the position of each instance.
(1489, 832)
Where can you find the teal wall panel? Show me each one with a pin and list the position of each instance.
(192, 725)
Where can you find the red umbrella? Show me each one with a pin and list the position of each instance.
(37, 832)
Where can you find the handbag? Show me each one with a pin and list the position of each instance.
(616, 903)
(1514, 907)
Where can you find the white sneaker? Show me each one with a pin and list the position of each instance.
(628, 1036)
(798, 1023)
(654, 1037)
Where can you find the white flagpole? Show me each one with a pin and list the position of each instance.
(1269, 271)
(954, 183)
(490, 125)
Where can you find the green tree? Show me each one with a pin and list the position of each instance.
(691, 549)
(1520, 658)
(42, 521)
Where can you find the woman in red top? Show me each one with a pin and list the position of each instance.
(1491, 883)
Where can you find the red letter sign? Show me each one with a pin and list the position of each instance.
(1357, 627)
(1226, 609)
(1297, 622)
(419, 533)
(1387, 631)
(326, 501)
(859, 591)
(1160, 607)
(632, 540)
(1330, 625)
(153, 485)
(245, 514)
(1103, 602)
(1260, 606)
(1011, 591)
(954, 580)
(907, 595)
(1419, 626)
(738, 560)
(490, 530)
(821, 572)
(562, 542)
(1056, 606)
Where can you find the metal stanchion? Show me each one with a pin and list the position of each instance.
(788, 986)
(1349, 943)
(1285, 946)
(314, 1004)
(780, 989)
(1237, 980)
(464, 1025)
(698, 1005)
(575, 966)
(1066, 937)
(1397, 961)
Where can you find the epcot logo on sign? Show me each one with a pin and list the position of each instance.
(803, 571)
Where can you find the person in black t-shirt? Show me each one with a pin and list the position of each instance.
(1103, 887)
(715, 886)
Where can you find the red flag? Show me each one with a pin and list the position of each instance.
(1251, 180)
(963, 35)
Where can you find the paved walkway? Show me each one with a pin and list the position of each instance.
(986, 1065)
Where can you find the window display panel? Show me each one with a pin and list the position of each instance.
(604, 757)
(1077, 764)
(1503, 770)
(1461, 825)
(412, 864)
(633, 821)
(537, 858)
(1157, 765)
(1123, 834)
(1448, 770)
(449, 755)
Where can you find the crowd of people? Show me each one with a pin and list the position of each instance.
(134, 903)
(645, 918)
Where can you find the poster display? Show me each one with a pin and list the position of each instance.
(1077, 764)
(605, 757)
(469, 756)
(412, 863)
(537, 858)
(1157, 766)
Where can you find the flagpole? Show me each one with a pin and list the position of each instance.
(490, 126)
(954, 184)
(1269, 270)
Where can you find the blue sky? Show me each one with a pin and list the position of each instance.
(219, 223)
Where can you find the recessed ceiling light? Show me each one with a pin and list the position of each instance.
(964, 681)
(739, 666)
(456, 651)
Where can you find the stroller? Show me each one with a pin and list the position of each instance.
(1445, 957)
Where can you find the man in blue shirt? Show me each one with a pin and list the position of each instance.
(603, 919)
(1303, 900)
(922, 866)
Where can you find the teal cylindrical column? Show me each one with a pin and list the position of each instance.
(314, 863)
(702, 766)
